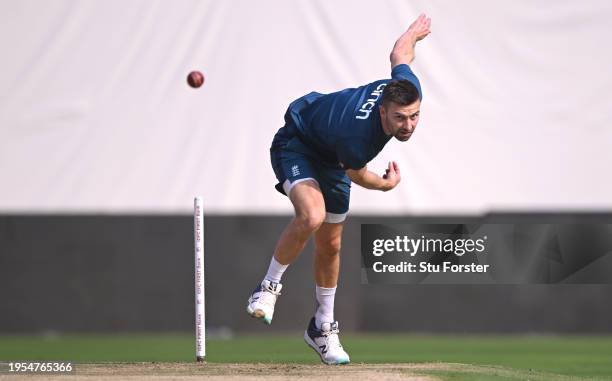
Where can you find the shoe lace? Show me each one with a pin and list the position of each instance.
(333, 341)
(268, 296)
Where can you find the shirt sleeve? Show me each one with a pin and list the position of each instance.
(403, 71)
(349, 155)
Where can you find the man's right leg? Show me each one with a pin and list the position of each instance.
(309, 207)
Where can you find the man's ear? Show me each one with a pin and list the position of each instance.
(382, 111)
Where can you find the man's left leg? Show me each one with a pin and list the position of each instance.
(322, 332)
(326, 269)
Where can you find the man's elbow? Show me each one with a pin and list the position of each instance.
(356, 176)
(353, 176)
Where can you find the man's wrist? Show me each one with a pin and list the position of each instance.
(386, 186)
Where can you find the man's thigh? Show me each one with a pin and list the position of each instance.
(336, 189)
(307, 199)
(292, 168)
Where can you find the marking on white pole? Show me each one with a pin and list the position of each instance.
(198, 232)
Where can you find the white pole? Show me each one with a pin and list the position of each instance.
(198, 230)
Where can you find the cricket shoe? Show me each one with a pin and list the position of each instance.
(262, 300)
(326, 343)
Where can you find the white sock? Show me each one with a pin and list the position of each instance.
(275, 271)
(325, 311)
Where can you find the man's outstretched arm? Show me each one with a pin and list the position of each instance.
(371, 180)
(403, 50)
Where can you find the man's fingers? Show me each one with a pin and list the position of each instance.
(419, 23)
(421, 26)
(396, 167)
(422, 18)
(426, 24)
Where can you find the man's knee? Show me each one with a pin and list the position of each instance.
(310, 220)
(329, 245)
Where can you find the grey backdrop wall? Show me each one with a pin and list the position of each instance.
(135, 273)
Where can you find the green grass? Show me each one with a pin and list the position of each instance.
(516, 357)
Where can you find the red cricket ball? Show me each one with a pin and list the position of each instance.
(195, 79)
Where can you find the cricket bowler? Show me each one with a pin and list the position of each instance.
(325, 144)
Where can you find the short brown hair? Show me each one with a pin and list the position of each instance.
(400, 91)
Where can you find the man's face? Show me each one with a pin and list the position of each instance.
(400, 121)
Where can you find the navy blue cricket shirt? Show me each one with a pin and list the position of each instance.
(343, 128)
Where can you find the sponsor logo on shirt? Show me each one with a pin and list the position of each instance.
(366, 108)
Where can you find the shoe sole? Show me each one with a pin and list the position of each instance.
(314, 347)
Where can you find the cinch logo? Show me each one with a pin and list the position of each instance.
(366, 108)
(295, 170)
